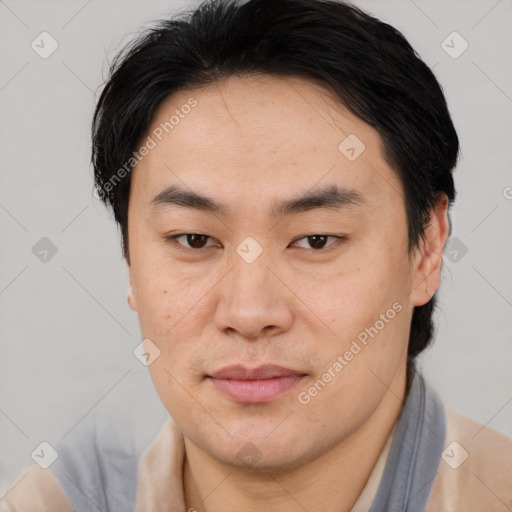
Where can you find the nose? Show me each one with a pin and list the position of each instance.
(254, 302)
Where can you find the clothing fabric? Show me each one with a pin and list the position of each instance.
(434, 460)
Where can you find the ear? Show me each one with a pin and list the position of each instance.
(131, 295)
(428, 256)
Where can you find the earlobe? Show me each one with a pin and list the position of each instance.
(131, 297)
(429, 255)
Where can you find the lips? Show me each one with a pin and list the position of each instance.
(255, 385)
(266, 371)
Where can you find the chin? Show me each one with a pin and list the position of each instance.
(262, 454)
(277, 463)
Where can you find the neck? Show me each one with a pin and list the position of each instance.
(332, 481)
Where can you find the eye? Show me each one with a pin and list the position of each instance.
(317, 242)
(195, 240)
(198, 241)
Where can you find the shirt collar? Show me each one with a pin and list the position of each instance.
(415, 454)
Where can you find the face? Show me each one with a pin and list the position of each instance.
(280, 308)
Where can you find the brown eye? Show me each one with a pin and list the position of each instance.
(191, 240)
(196, 241)
(318, 242)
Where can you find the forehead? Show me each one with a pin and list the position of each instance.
(250, 138)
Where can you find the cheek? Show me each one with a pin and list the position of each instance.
(365, 306)
(155, 307)
(163, 297)
(172, 393)
(349, 295)
(173, 313)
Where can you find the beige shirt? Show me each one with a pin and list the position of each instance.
(474, 475)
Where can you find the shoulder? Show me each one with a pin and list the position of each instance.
(159, 473)
(35, 490)
(95, 466)
(475, 470)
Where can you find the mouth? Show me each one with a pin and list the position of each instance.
(256, 385)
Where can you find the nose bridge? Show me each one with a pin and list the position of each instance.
(253, 298)
(251, 279)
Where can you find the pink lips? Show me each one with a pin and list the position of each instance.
(256, 385)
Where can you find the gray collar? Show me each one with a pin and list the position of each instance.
(415, 453)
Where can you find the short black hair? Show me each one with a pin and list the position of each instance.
(369, 64)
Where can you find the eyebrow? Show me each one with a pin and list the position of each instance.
(332, 197)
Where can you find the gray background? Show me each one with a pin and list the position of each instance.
(67, 331)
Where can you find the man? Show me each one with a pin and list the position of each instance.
(282, 173)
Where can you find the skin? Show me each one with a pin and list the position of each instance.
(250, 142)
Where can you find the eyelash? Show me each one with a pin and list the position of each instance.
(180, 247)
